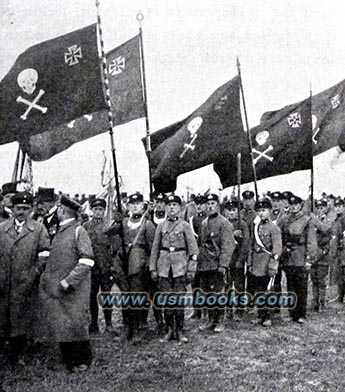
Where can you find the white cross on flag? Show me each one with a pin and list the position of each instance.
(335, 101)
(117, 66)
(294, 120)
(73, 55)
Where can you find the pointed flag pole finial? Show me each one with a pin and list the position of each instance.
(140, 18)
(238, 62)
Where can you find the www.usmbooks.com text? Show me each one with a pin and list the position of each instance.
(199, 299)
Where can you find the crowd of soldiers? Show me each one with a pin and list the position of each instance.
(54, 262)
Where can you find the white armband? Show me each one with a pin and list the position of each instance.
(44, 253)
(88, 262)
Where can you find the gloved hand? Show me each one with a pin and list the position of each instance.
(154, 275)
(238, 234)
(63, 285)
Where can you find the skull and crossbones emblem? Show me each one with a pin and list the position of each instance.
(27, 80)
(261, 139)
(193, 127)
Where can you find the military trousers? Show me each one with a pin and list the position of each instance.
(174, 317)
(318, 275)
(104, 283)
(341, 282)
(297, 283)
(213, 282)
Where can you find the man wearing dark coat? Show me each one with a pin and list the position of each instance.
(22, 242)
(299, 247)
(101, 272)
(64, 291)
(217, 244)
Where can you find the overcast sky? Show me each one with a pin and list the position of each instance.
(190, 50)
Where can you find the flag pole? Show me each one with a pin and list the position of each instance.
(239, 189)
(110, 113)
(140, 18)
(16, 166)
(247, 128)
(22, 166)
(312, 156)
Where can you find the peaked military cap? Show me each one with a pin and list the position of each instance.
(22, 198)
(70, 203)
(232, 203)
(321, 203)
(248, 195)
(199, 199)
(276, 196)
(263, 203)
(98, 202)
(10, 187)
(160, 197)
(212, 197)
(286, 195)
(173, 199)
(339, 202)
(135, 197)
(295, 200)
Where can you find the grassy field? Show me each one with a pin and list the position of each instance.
(246, 357)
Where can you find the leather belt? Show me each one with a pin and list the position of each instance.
(173, 249)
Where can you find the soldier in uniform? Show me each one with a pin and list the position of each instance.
(22, 244)
(217, 244)
(173, 262)
(299, 248)
(264, 254)
(46, 210)
(285, 197)
(101, 276)
(65, 289)
(195, 224)
(138, 235)
(248, 211)
(279, 211)
(159, 213)
(319, 270)
(236, 272)
(338, 248)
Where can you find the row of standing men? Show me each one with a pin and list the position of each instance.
(212, 247)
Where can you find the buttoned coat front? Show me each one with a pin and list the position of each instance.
(259, 261)
(176, 234)
(20, 269)
(217, 243)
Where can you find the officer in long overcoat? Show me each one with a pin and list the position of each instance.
(64, 291)
(22, 242)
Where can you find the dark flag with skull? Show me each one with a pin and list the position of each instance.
(281, 145)
(204, 137)
(126, 94)
(51, 84)
(328, 114)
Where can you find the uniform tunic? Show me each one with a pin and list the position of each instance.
(178, 235)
